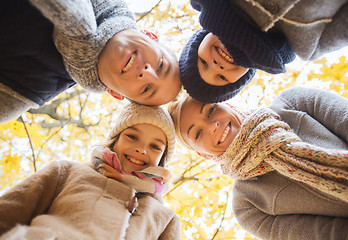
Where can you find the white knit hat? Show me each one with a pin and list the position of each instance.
(134, 113)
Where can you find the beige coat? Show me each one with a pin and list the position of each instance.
(275, 207)
(313, 27)
(67, 200)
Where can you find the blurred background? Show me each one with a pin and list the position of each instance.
(69, 125)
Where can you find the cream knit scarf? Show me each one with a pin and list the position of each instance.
(265, 144)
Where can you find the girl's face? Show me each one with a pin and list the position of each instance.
(208, 128)
(140, 146)
(215, 64)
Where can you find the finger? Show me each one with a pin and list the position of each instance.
(108, 168)
(115, 175)
(166, 177)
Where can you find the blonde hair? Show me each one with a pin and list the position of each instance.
(174, 109)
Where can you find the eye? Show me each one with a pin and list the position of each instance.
(132, 136)
(211, 110)
(146, 89)
(222, 77)
(203, 62)
(160, 67)
(154, 146)
(198, 134)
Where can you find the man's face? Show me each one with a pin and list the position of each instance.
(215, 64)
(208, 128)
(137, 67)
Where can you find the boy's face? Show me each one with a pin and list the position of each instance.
(140, 146)
(208, 128)
(215, 64)
(134, 66)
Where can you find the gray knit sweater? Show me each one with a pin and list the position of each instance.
(275, 207)
(312, 27)
(82, 28)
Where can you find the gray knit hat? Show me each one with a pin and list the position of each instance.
(134, 113)
(80, 47)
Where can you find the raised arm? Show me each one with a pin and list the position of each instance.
(32, 197)
(328, 108)
(82, 17)
(275, 207)
(291, 226)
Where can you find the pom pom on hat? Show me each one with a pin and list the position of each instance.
(195, 86)
(134, 113)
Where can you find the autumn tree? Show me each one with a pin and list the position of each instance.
(69, 125)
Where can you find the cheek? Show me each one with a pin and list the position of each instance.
(204, 51)
(240, 72)
(198, 146)
(156, 158)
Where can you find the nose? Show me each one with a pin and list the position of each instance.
(217, 65)
(212, 126)
(148, 73)
(140, 149)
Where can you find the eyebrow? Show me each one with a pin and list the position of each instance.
(160, 140)
(134, 128)
(202, 108)
(200, 111)
(188, 131)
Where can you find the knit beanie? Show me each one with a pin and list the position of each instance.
(134, 113)
(81, 45)
(249, 47)
(192, 81)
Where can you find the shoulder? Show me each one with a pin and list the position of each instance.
(275, 194)
(65, 168)
(296, 98)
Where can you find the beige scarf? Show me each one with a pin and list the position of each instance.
(265, 143)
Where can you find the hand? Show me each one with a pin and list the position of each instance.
(111, 172)
(166, 177)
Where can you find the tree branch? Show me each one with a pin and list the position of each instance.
(51, 111)
(143, 14)
(223, 218)
(30, 142)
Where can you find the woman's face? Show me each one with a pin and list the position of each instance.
(215, 64)
(208, 128)
(140, 146)
(134, 66)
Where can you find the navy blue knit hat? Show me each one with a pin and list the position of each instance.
(192, 81)
(249, 47)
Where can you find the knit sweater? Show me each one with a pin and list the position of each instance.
(67, 200)
(275, 207)
(79, 29)
(31, 68)
(312, 27)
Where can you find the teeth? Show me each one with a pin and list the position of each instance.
(225, 55)
(129, 63)
(136, 161)
(224, 135)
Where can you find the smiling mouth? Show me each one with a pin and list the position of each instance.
(224, 135)
(224, 55)
(130, 62)
(135, 161)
